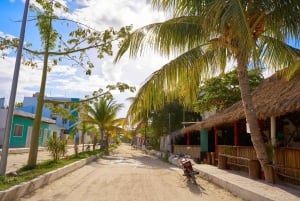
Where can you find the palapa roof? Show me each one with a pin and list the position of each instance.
(275, 96)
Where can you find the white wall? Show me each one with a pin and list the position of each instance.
(3, 115)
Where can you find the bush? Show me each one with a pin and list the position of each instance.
(57, 147)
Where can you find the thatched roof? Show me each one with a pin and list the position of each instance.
(275, 96)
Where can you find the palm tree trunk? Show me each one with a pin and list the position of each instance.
(102, 146)
(251, 118)
(94, 142)
(106, 145)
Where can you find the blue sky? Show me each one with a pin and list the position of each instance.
(69, 81)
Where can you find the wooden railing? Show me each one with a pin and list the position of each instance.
(192, 150)
(239, 151)
(287, 164)
(287, 160)
(235, 153)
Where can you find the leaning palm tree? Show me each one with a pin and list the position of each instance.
(206, 34)
(103, 114)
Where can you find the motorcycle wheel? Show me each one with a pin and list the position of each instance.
(193, 179)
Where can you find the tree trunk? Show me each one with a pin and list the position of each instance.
(76, 149)
(82, 141)
(251, 118)
(32, 157)
(94, 142)
(106, 146)
(102, 144)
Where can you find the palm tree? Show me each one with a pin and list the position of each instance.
(103, 114)
(84, 128)
(206, 34)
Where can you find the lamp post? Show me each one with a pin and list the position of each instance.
(12, 99)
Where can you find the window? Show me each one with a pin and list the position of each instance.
(64, 121)
(18, 131)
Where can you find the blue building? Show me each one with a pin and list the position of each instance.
(52, 123)
(62, 126)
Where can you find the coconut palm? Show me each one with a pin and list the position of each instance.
(84, 128)
(206, 34)
(103, 114)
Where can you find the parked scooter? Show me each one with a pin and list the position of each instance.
(188, 171)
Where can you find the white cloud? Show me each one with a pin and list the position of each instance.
(28, 79)
(102, 14)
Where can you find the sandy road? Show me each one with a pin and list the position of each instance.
(128, 175)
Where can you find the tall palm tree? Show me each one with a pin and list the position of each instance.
(206, 34)
(103, 114)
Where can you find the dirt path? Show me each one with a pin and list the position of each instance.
(128, 175)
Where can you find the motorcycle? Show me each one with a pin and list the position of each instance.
(188, 170)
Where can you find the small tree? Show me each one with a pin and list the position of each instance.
(57, 147)
(56, 48)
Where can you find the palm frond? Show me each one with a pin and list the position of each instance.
(278, 55)
(167, 38)
(178, 80)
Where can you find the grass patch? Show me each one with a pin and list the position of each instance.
(27, 173)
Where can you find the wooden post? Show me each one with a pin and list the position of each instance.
(254, 169)
(212, 158)
(271, 177)
(216, 135)
(222, 160)
(236, 134)
(209, 158)
(273, 138)
(273, 131)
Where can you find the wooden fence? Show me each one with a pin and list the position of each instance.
(286, 164)
(192, 150)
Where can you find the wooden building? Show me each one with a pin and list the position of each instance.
(277, 103)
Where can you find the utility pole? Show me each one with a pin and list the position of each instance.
(12, 98)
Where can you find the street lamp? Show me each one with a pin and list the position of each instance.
(13, 92)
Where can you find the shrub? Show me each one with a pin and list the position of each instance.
(57, 147)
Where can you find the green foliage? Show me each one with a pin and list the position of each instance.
(102, 112)
(223, 91)
(167, 120)
(73, 47)
(207, 37)
(58, 48)
(57, 147)
(19, 105)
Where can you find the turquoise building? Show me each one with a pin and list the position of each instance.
(21, 130)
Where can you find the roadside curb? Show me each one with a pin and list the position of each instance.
(225, 184)
(233, 188)
(25, 188)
